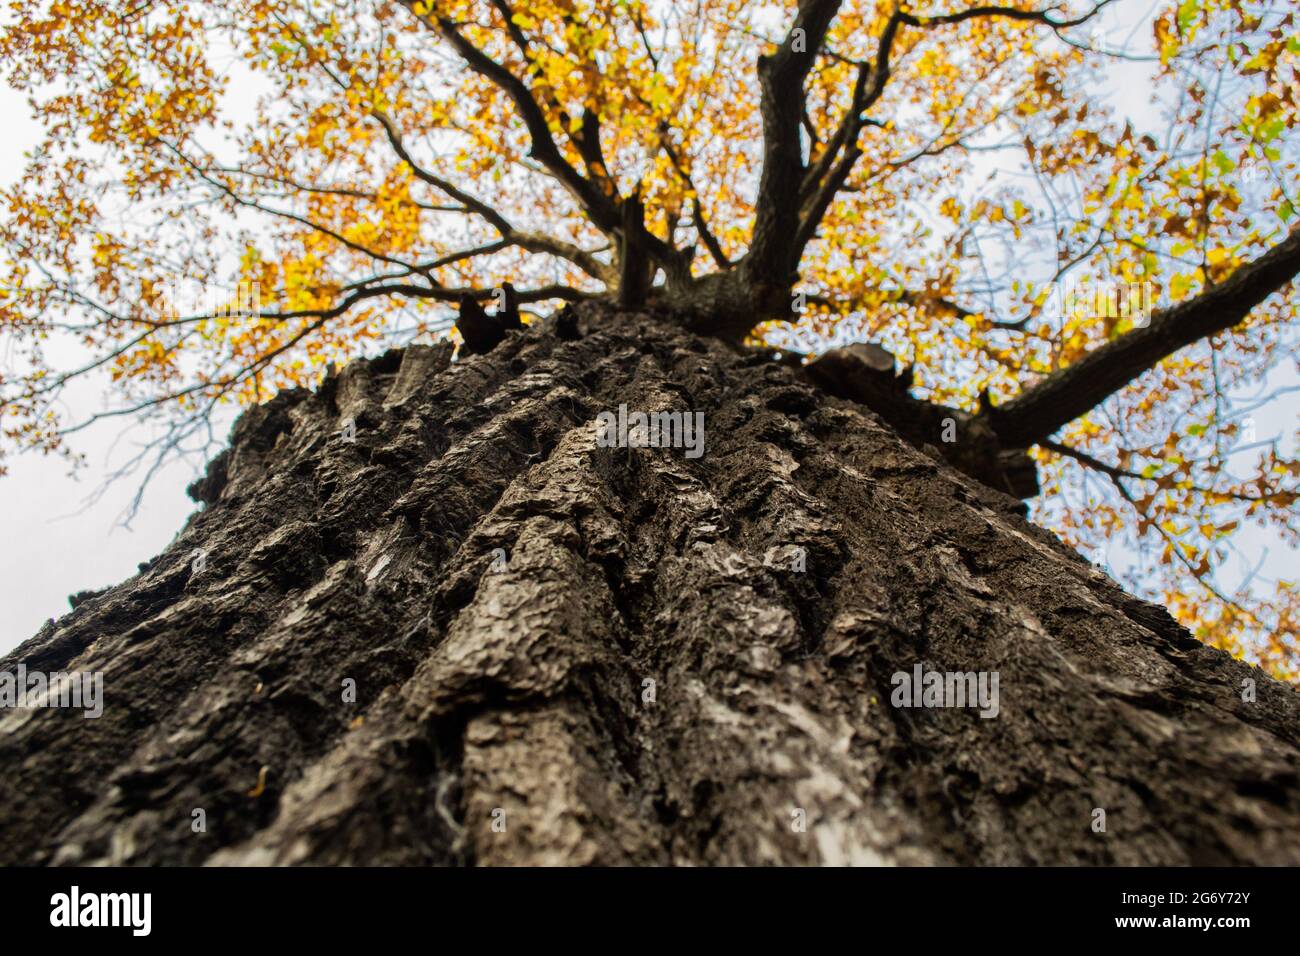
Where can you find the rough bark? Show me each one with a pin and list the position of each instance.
(521, 686)
(963, 440)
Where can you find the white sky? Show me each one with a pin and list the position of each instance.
(51, 544)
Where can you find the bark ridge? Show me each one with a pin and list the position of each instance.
(569, 654)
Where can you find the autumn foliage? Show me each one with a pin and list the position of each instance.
(230, 197)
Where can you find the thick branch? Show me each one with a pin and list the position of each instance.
(635, 273)
(772, 257)
(828, 176)
(1073, 391)
(593, 157)
(596, 199)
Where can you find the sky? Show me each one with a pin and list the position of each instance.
(60, 533)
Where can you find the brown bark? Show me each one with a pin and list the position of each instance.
(521, 687)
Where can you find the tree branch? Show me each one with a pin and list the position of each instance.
(827, 176)
(1083, 458)
(697, 209)
(994, 10)
(772, 258)
(1073, 391)
(529, 241)
(600, 209)
(826, 179)
(636, 273)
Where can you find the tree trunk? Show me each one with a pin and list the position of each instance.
(566, 653)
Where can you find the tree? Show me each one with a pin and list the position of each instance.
(720, 179)
(410, 154)
(230, 199)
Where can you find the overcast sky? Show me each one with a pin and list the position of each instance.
(51, 544)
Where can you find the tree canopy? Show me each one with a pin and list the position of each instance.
(951, 180)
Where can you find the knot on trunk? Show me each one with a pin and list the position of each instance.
(482, 332)
(864, 373)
